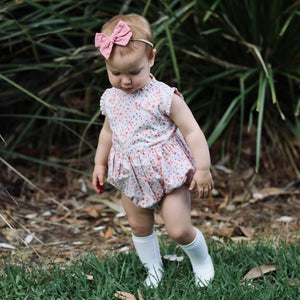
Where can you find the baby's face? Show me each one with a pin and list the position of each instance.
(131, 72)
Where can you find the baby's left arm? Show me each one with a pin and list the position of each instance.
(182, 116)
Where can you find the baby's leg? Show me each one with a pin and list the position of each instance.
(141, 221)
(176, 213)
(175, 210)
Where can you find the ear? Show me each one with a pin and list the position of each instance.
(152, 59)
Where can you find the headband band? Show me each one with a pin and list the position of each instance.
(144, 41)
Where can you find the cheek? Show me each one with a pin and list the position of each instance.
(112, 80)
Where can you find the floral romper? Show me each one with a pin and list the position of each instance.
(149, 157)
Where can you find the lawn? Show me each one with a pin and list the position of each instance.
(91, 277)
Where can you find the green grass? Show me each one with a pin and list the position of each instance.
(124, 272)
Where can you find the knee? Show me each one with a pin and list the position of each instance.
(140, 229)
(181, 235)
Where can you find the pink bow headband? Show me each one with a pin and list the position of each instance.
(120, 36)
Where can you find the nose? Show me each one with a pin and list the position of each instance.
(126, 80)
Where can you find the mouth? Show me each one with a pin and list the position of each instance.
(127, 90)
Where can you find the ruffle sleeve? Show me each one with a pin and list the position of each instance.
(166, 98)
(102, 102)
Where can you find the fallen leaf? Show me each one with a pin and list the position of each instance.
(271, 191)
(173, 257)
(124, 295)
(113, 202)
(114, 206)
(28, 239)
(121, 215)
(217, 239)
(259, 271)
(246, 231)
(6, 246)
(109, 232)
(92, 212)
(31, 216)
(128, 296)
(124, 249)
(286, 219)
(77, 243)
(83, 185)
(239, 238)
(101, 227)
(223, 168)
(225, 202)
(55, 219)
(294, 283)
(47, 213)
(90, 277)
(73, 221)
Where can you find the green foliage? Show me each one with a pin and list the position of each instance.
(236, 62)
(99, 278)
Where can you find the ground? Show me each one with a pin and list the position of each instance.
(60, 217)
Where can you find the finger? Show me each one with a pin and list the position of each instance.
(192, 185)
(200, 192)
(206, 191)
(97, 186)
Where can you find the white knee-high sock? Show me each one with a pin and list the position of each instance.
(200, 259)
(148, 251)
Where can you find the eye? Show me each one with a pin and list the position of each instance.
(115, 73)
(135, 72)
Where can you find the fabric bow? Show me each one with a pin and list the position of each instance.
(120, 36)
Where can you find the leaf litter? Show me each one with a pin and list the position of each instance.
(34, 228)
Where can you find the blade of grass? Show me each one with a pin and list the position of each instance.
(3, 140)
(242, 116)
(297, 109)
(24, 130)
(173, 55)
(91, 122)
(260, 108)
(52, 12)
(210, 10)
(13, 68)
(24, 30)
(27, 92)
(174, 20)
(273, 91)
(80, 136)
(146, 8)
(231, 110)
(49, 118)
(29, 182)
(287, 23)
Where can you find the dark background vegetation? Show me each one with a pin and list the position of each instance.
(236, 62)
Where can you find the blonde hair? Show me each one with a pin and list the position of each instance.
(140, 28)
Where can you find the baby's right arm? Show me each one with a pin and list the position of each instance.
(101, 157)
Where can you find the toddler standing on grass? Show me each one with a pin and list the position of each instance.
(154, 149)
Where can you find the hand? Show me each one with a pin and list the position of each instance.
(202, 179)
(98, 178)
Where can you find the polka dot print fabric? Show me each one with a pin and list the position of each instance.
(149, 157)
